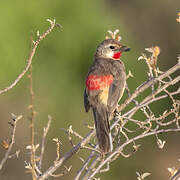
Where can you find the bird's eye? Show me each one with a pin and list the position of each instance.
(111, 47)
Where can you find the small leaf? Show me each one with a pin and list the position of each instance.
(5, 144)
(172, 171)
(136, 147)
(142, 176)
(140, 57)
(160, 143)
(138, 174)
(164, 113)
(28, 165)
(116, 31)
(36, 146)
(29, 147)
(145, 175)
(55, 139)
(149, 49)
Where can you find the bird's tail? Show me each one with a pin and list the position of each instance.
(103, 132)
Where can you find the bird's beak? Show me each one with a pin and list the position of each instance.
(123, 49)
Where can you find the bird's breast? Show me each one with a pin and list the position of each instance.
(98, 82)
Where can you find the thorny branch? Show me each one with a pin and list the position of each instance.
(9, 146)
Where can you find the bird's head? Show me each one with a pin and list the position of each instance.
(111, 48)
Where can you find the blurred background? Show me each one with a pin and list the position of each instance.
(60, 66)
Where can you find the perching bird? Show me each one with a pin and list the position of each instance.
(105, 84)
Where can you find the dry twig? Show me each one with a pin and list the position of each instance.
(30, 58)
(34, 44)
(43, 141)
(9, 148)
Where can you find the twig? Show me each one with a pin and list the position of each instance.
(91, 149)
(175, 175)
(32, 119)
(149, 98)
(43, 141)
(147, 84)
(70, 132)
(67, 169)
(80, 171)
(58, 143)
(120, 148)
(15, 121)
(55, 166)
(29, 60)
(159, 98)
(91, 168)
(34, 45)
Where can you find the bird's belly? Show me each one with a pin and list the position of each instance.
(103, 96)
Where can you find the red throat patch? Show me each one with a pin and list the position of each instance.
(117, 55)
(95, 82)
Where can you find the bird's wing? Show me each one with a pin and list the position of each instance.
(86, 101)
(115, 92)
(116, 88)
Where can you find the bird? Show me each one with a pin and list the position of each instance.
(104, 86)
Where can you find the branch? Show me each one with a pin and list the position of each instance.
(43, 141)
(29, 60)
(32, 119)
(7, 155)
(147, 84)
(54, 167)
(80, 171)
(86, 140)
(120, 148)
(149, 99)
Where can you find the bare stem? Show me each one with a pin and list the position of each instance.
(147, 84)
(15, 121)
(43, 141)
(32, 119)
(54, 167)
(30, 58)
(120, 148)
